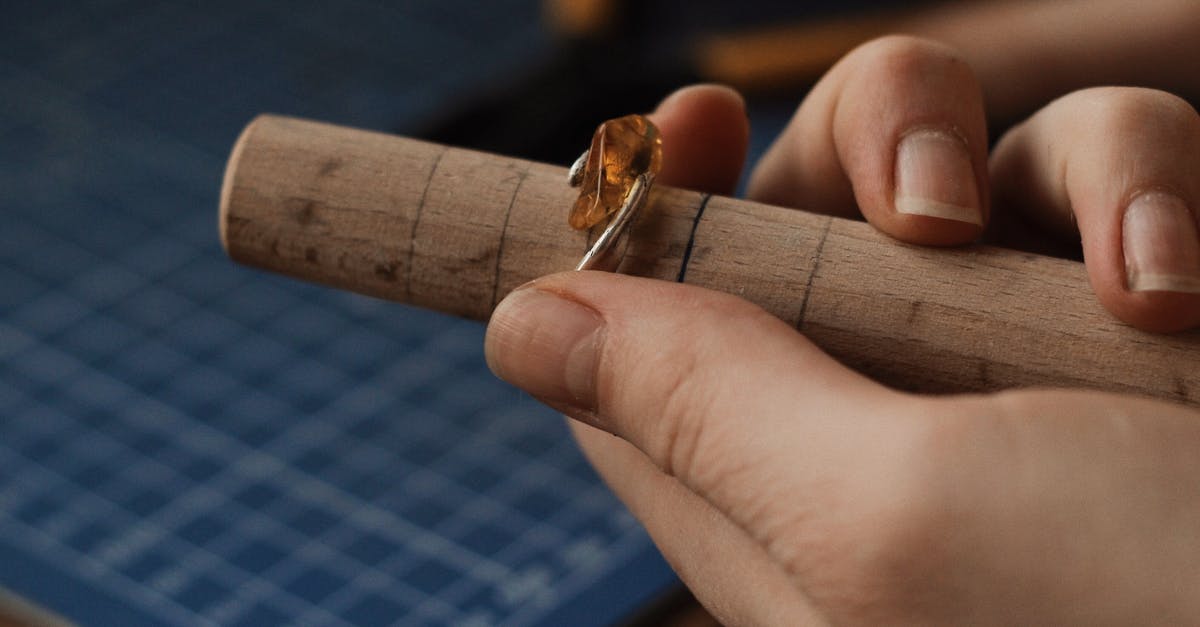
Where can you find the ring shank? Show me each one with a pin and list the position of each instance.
(599, 256)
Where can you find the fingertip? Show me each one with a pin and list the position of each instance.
(545, 343)
(938, 194)
(705, 135)
(1157, 287)
(897, 131)
(911, 133)
(936, 198)
(1152, 310)
(1155, 304)
(1117, 166)
(925, 230)
(1156, 312)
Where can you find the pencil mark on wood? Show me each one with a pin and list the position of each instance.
(412, 234)
(329, 167)
(914, 309)
(504, 234)
(984, 374)
(387, 271)
(516, 173)
(477, 259)
(813, 274)
(305, 212)
(455, 268)
(687, 249)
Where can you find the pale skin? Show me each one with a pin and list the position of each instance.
(786, 489)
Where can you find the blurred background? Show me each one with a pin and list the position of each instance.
(188, 442)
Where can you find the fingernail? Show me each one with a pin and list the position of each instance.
(934, 177)
(1162, 248)
(546, 345)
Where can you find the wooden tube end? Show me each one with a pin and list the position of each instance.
(390, 217)
(232, 167)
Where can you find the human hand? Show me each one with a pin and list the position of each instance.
(1028, 52)
(787, 489)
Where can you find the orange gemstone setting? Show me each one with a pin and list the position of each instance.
(622, 150)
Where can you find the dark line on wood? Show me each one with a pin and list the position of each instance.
(412, 235)
(687, 250)
(813, 274)
(504, 232)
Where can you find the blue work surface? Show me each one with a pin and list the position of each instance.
(185, 441)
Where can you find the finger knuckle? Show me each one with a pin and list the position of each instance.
(1125, 112)
(901, 57)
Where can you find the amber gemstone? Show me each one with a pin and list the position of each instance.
(622, 150)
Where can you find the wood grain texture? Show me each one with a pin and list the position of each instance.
(455, 230)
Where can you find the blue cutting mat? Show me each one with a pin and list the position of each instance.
(185, 441)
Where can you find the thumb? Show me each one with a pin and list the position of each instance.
(712, 389)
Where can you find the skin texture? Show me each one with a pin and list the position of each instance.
(787, 489)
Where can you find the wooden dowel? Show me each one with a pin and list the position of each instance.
(455, 230)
